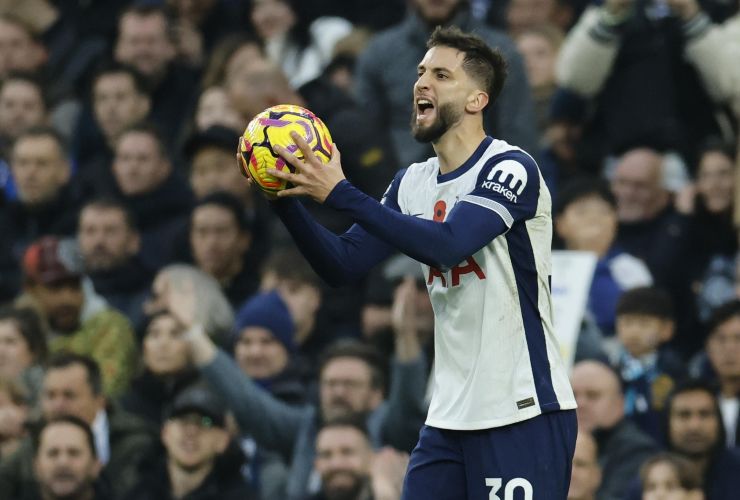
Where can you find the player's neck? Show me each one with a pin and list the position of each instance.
(458, 144)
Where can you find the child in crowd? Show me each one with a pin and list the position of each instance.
(648, 369)
(666, 476)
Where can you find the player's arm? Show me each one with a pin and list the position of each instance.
(338, 259)
(483, 215)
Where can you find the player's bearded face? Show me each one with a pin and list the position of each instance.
(446, 116)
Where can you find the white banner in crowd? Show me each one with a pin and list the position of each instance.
(572, 273)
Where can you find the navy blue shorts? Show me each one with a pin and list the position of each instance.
(529, 460)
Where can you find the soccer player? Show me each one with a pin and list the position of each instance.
(477, 216)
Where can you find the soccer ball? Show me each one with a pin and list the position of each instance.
(273, 127)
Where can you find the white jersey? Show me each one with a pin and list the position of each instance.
(496, 358)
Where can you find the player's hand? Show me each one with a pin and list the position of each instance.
(404, 320)
(252, 185)
(312, 177)
(685, 9)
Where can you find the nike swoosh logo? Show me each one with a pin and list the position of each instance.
(417, 215)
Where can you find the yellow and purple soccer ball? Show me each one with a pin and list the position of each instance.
(273, 127)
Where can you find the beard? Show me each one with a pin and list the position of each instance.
(447, 116)
(344, 492)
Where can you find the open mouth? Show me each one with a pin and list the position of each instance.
(424, 109)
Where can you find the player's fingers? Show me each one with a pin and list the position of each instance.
(305, 148)
(286, 176)
(294, 191)
(290, 157)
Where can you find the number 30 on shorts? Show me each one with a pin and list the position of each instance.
(518, 482)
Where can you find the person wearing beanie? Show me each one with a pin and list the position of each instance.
(264, 346)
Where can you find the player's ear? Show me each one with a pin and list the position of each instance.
(477, 100)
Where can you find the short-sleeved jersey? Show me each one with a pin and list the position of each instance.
(496, 358)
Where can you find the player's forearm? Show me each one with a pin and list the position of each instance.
(329, 254)
(438, 244)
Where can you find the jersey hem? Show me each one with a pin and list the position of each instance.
(500, 422)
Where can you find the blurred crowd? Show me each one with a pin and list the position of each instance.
(161, 338)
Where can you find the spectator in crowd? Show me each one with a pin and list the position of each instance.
(298, 287)
(626, 58)
(167, 370)
(20, 50)
(47, 202)
(350, 469)
(119, 99)
(230, 54)
(220, 240)
(22, 349)
(713, 242)
(14, 410)
(22, 106)
(648, 369)
(622, 446)
(586, 220)
(197, 26)
(109, 244)
(723, 352)
(301, 44)
(652, 230)
(265, 346)
(65, 463)
(712, 50)
(351, 381)
(666, 475)
(522, 15)
(198, 461)
(214, 108)
(539, 46)
(383, 83)
(73, 387)
(210, 155)
(212, 309)
(145, 42)
(155, 193)
(695, 431)
(53, 285)
(585, 477)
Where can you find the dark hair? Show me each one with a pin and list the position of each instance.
(366, 353)
(687, 472)
(694, 385)
(289, 265)
(144, 9)
(647, 300)
(29, 78)
(30, 327)
(63, 360)
(64, 419)
(716, 145)
(107, 203)
(354, 420)
(214, 73)
(45, 131)
(150, 129)
(723, 314)
(482, 63)
(584, 187)
(115, 68)
(228, 202)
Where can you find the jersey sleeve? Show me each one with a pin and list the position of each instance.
(509, 185)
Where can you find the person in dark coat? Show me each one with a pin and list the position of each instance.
(200, 462)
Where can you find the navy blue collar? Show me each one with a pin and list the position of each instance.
(468, 163)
